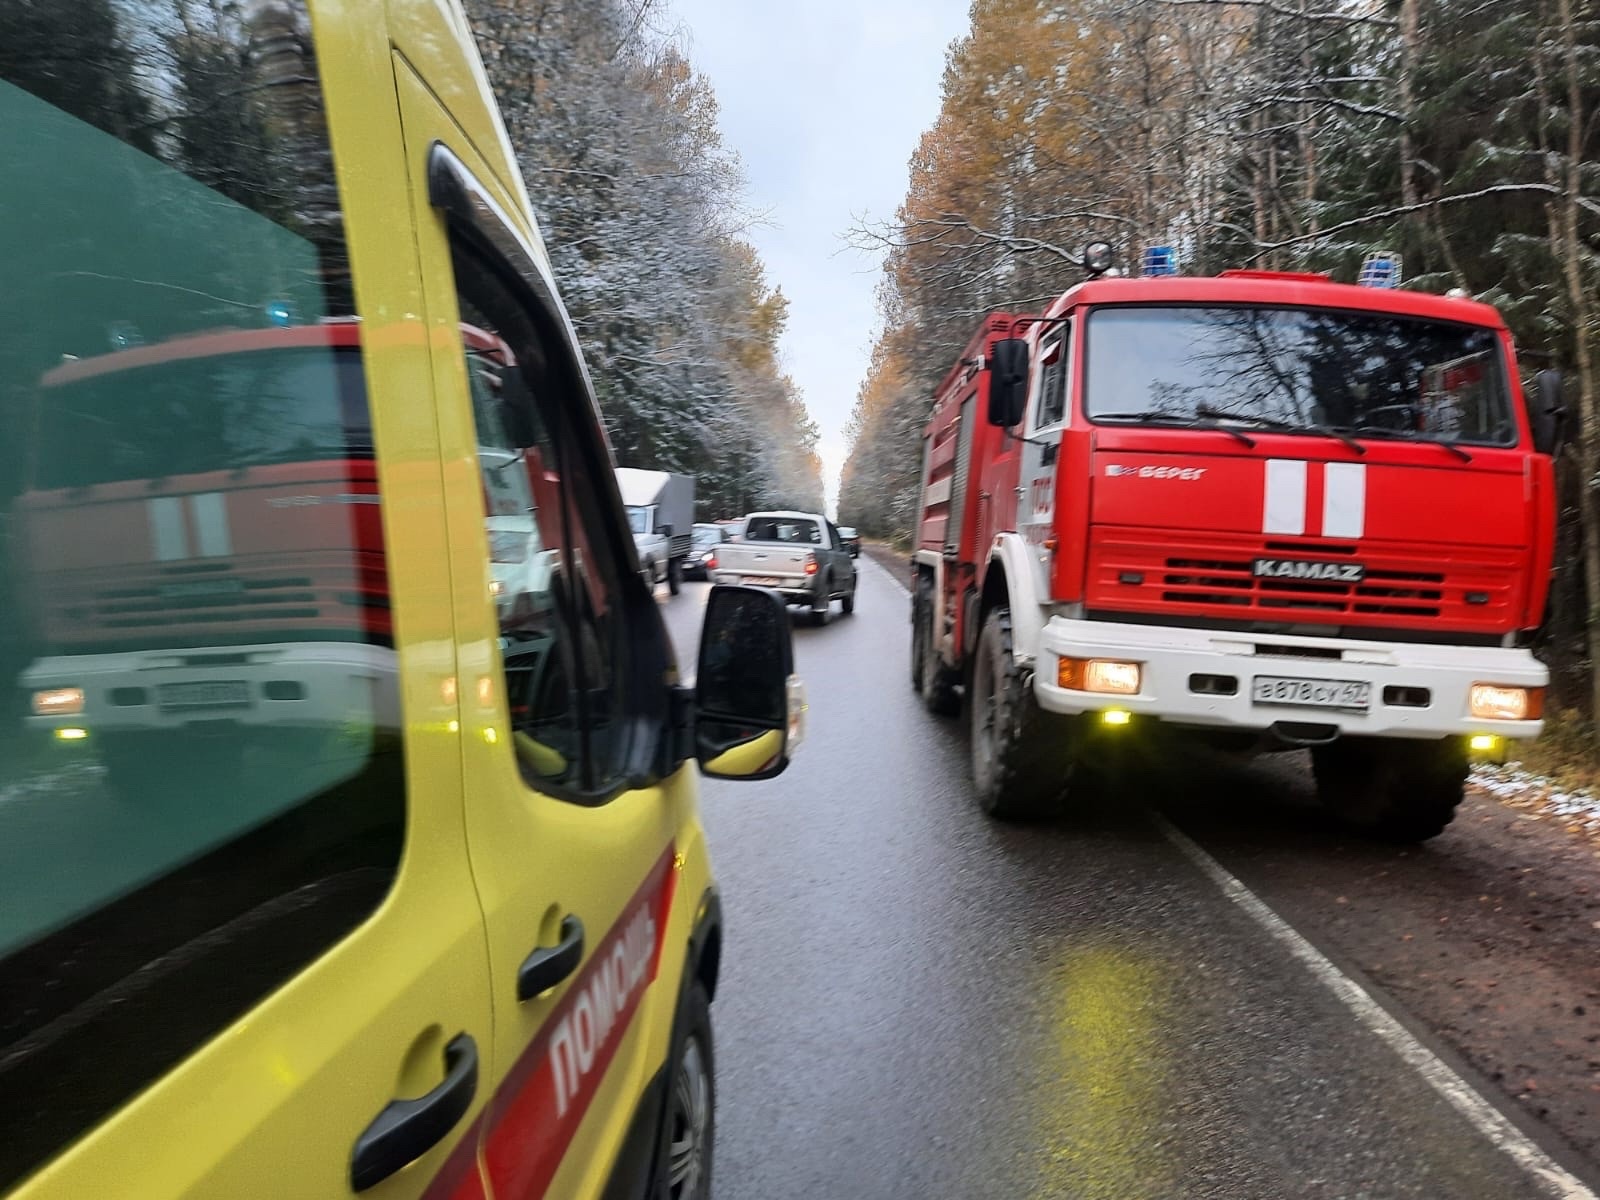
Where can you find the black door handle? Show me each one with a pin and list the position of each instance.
(407, 1129)
(549, 965)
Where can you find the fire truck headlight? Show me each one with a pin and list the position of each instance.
(1099, 675)
(58, 702)
(1499, 702)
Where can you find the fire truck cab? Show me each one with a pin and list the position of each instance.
(1267, 509)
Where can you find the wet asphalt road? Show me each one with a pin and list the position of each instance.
(917, 1002)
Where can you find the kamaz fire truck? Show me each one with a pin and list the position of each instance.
(1265, 510)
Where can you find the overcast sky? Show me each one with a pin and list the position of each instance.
(823, 101)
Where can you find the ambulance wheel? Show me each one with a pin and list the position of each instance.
(1019, 765)
(1391, 788)
(675, 576)
(933, 681)
(689, 1116)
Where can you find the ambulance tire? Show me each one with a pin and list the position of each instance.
(1393, 789)
(1020, 767)
(934, 682)
(689, 1116)
(675, 576)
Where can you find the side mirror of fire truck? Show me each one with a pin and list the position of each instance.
(1008, 382)
(1549, 415)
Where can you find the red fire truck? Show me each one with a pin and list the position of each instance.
(203, 538)
(1267, 510)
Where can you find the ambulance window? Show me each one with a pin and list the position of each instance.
(201, 783)
(1053, 382)
(563, 644)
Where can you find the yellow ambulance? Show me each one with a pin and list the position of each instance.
(348, 839)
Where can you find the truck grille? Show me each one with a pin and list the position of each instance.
(1470, 588)
(219, 602)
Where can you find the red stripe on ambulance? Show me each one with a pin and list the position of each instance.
(538, 1108)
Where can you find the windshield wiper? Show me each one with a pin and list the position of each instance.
(1408, 435)
(1277, 426)
(1203, 421)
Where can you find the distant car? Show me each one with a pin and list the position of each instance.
(798, 555)
(851, 540)
(702, 553)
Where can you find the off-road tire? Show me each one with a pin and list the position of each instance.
(1021, 766)
(933, 681)
(1394, 789)
(675, 576)
(692, 1028)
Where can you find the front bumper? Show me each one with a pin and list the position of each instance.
(275, 686)
(794, 589)
(1172, 657)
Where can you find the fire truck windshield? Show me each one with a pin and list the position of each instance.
(1298, 370)
(189, 415)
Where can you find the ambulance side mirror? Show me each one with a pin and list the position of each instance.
(749, 704)
(1008, 382)
(1549, 414)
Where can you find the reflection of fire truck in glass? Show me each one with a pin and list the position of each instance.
(1260, 511)
(203, 543)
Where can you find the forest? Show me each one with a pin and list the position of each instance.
(1279, 134)
(642, 210)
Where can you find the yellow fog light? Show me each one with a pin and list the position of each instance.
(1099, 675)
(1116, 716)
(72, 735)
(1484, 743)
(1501, 702)
(58, 702)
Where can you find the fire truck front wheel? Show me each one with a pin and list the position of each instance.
(1020, 765)
(1392, 788)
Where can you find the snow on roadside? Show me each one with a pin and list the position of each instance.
(1541, 798)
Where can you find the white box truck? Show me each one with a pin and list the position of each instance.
(661, 513)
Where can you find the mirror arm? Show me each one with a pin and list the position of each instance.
(680, 725)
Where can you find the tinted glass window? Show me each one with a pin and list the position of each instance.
(200, 780)
(1373, 374)
(782, 529)
(563, 640)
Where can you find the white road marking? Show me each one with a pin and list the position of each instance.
(1456, 1091)
(1344, 500)
(1284, 510)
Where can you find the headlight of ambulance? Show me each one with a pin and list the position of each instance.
(1103, 675)
(58, 702)
(1498, 702)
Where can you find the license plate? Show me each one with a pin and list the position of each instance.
(760, 581)
(203, 693)
(1311, 693)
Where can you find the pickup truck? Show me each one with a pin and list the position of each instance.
(798, 555)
